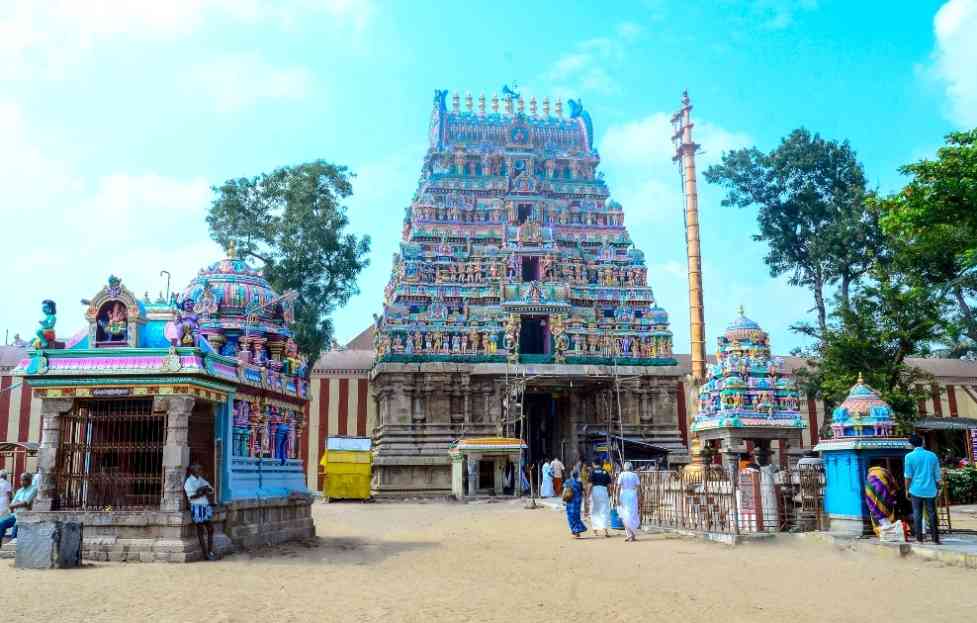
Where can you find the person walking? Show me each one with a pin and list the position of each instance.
(557, 467)
(546, 488)
(628, 509)
(922, 473)
(600, 500)
(573, 500)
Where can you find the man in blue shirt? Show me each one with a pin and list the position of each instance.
(922, 472)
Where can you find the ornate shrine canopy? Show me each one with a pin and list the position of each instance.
(228, 328)
(746, 387)
(862, 414)
(511, 249)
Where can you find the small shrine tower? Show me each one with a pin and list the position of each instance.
(747, 395)
(862, 428)
(210, 377)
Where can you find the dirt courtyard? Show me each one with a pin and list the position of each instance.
(494, 562)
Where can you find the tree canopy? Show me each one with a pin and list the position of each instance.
(810, 195)
(933, 220)
(888, 319)
(292, 221)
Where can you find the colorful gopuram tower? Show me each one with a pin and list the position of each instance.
(517, 303)
(748, 395)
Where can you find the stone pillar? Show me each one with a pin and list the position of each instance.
(517, 485)
(495, 406)
(574, 423)
(457, 476)
(176, 452)
(47, 453)
(499, 474)
(472, 464)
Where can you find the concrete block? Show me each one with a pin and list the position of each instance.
(49, 545)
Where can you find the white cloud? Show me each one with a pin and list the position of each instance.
(955, 58)
(637, 157)
(49, 39)
(588, 68)
(233, 82)
(780, 14)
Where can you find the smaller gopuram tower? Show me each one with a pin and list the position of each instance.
(748, 395)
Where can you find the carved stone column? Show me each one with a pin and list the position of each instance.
(176, 452)
(473, 460)
(47, 454)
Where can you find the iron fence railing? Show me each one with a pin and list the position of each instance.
(716, 499)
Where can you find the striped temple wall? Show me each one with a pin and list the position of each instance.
(20, 420)
(341, 404)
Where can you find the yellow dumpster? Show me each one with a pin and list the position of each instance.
(346, 468)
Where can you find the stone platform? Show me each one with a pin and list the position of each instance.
(170, 536)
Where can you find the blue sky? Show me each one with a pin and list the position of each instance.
(116, 117)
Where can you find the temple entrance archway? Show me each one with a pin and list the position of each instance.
(541, 421)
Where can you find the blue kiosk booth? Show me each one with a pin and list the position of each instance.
(862, 428)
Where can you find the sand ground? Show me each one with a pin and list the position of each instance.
(495, 562)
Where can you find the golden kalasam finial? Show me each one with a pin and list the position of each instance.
(741, 311)
(861, 381)
(232, 249)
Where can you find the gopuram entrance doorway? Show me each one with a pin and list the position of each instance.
(542, 423)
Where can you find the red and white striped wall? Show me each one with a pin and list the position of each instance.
(340, 405)
(20, 420)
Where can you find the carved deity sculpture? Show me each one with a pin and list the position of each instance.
(45, 332)
(114, 323)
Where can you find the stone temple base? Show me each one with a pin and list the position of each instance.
(423, 408)
(162, 536)
(846, 525)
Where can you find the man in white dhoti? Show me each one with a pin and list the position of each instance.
(600, 500)
(546, 486)
(628, 485)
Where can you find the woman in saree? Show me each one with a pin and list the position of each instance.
(600, 500)
(881, 489)
(574, 490)
(627, 487)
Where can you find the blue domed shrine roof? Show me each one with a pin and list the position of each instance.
(862, 414)
(747, 387)
(742, 327)
(230, 294)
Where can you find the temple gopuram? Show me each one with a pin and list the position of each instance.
(210, 376)
(517, 303)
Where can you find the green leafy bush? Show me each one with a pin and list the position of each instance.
(962, 485)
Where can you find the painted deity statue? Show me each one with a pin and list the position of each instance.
(187, 325)
(44, 337)
(115, 323)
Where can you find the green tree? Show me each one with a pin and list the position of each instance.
(889, 319)
(810, 197)
(292, 221)
(934, 221)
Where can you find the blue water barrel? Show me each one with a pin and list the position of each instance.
(616, 523)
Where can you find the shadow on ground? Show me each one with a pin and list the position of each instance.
(331, 550)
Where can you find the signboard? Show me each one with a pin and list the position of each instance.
(111, 392)
(973, 446)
